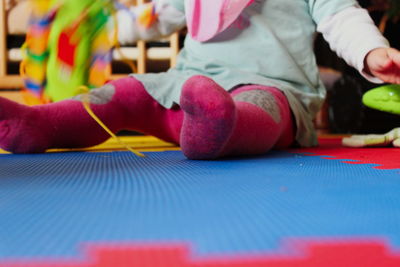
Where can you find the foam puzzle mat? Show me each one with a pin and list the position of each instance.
(325, 206)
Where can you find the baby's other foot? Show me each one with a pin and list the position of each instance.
(22, 130)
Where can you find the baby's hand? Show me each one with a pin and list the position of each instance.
(384, 63)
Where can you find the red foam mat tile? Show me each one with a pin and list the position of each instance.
(385, 158)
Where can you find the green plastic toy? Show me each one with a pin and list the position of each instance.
(384, 98)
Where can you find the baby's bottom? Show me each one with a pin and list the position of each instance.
(211, 123)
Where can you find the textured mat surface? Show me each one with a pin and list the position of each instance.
(111, 209)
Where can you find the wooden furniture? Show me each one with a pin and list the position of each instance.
(6, 80)
(142, 53)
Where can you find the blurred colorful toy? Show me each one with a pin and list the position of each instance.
(68, 44)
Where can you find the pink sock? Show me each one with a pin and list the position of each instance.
(251, 121)
(209, 119)
(121, 104)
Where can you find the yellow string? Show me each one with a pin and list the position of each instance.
(86, 101)
(86, 105)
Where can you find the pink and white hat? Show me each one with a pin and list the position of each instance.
(207, 18)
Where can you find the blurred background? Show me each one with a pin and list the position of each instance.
(344, 112)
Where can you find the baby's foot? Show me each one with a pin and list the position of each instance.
(368, 140)
(21, 129)
(209, 118)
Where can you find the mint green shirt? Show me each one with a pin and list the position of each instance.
(270, 44)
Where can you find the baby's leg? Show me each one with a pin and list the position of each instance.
(252, 120)
(264, 121)
(121, 104)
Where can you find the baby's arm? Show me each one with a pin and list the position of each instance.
(165, 20)
(352, 34)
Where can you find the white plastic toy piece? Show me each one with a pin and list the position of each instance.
(374, 140)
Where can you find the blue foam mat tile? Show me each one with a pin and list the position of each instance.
(50, 204)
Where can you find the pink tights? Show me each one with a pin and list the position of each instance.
(210, 122)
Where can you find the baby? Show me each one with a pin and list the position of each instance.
(246, 80)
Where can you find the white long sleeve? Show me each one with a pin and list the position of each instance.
(169, 20)
(352, 34)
